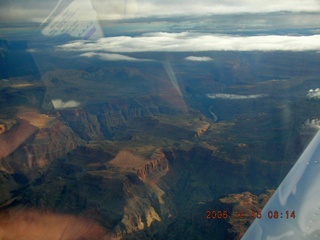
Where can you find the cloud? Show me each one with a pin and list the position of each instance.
(312, 123)
(24, 11)
(111, 57)
(36, 11)
(234, 96)
(201, 7)
(32, 50)
(187, 41)
(115, 9)
(199, 59)
(59, 104)
(314, 93)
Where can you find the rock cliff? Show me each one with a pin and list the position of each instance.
(136, 166)
(29, 146)
(125, 200)
(94, 122)
(245, 207)
(42, 147)
(135, 188)
(83, 123)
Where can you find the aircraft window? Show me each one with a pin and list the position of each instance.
(138, 119)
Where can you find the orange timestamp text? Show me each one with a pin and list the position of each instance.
(271, 214)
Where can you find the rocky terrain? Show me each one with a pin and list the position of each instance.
(245, 208)
(146, 164)
(148, 182)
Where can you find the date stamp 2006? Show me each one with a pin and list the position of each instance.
(271, 214)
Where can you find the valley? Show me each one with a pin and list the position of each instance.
(143, 161)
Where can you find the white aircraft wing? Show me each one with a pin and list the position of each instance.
(293, 212)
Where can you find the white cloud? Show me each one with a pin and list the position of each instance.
(34, 10)
(187, 41)
(199, 59)
(115, 9)
(32, 50)
(59, 104)
(314, 93)
(111, 57)
(312, 123)
(200, 7)
(234, 96)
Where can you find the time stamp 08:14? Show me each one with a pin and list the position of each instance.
(213, 214)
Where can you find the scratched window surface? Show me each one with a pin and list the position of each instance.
(157, 119)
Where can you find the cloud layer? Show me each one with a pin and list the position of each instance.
(199, 59)
(34, 10)
(190, 7)
(187, 41)
(314, 93)
(111, 57)
(234, 96)
(312, 123)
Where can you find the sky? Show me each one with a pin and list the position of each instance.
(193, 33)
(37, 11)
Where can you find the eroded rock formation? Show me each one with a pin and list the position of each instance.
(245, 207)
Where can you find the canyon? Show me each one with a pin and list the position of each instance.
(138, 175)
(136, 159)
